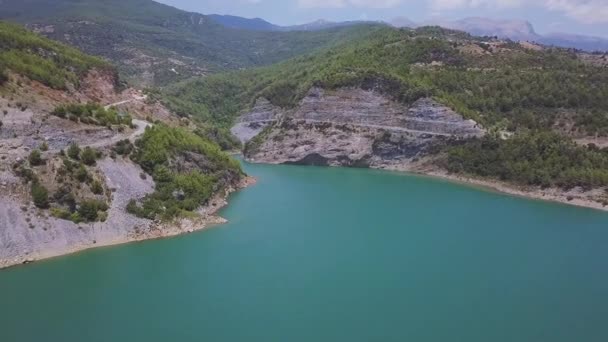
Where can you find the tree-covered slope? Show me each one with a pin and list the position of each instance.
(41, 59)
(155, 44)
(499, 84)
(543, 97)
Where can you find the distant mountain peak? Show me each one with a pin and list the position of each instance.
(254, 24)
(514, 29)
(402, 22)
(503, 28)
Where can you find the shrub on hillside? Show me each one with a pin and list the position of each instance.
(81, 174)
(60, 213)
(3, 76)
(123, 147)
(92, 113)
(35, 158)
(96, 188)
(88, 156)
(40, 195)
(89, 209)
(74, 151)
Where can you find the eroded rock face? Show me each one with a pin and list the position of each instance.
(254, 121)
(354, 127)
(368, 108)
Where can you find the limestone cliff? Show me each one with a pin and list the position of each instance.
(350, 127)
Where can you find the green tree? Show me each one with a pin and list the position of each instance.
(81, 174)
(96, 188)
(40, 195)
(88, 156)
(35, 158)
(89, 209)
(74, 151)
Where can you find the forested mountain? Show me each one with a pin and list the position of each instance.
(497, 83)
(517, 30)
(544, 96)
(257, 24)
(53, 64)
(254, 24)
(155, 44)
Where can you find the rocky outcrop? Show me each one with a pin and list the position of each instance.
(353, 127)
(371, 109)
(255, 120)
(27, 233)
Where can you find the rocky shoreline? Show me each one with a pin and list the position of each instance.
(359, 128)
(575, 197)
(156, 230)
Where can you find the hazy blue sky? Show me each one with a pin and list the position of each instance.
(573, 16)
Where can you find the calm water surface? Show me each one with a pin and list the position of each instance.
(317, 254)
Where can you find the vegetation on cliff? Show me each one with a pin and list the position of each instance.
(92, 113)
(66, 184)
(186, 168)
(543, 159)
(53, 64)
(504, 85)
(3, 74)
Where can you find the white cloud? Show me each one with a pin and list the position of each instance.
(441, 5)
(587, 11)
(347, 3)
(376, 3)
(322, 3)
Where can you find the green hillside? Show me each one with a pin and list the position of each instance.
(513, 89)
(41, 59)
(155, 44)
(544, 97)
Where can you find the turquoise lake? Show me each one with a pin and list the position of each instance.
(330, 254)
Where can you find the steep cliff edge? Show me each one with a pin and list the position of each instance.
(350, 127)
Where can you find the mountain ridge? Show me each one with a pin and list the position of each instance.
(154, 44)
(398, 97)
(515, 29)
(78, 160)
